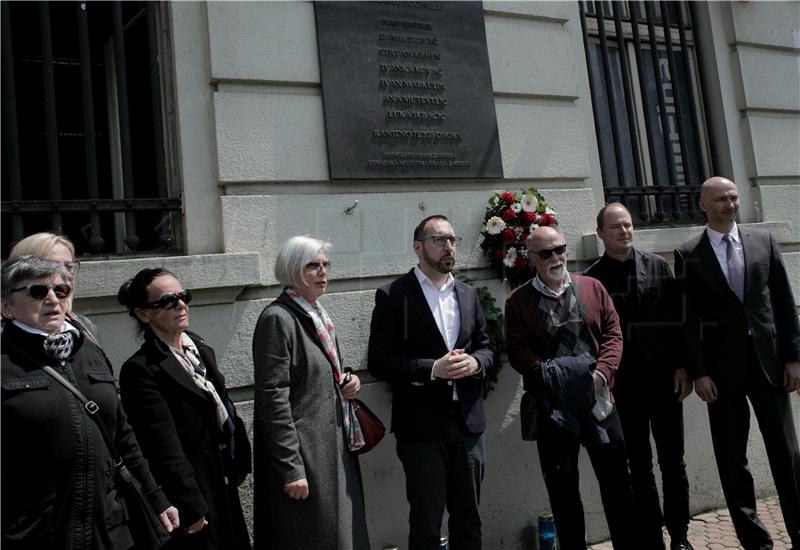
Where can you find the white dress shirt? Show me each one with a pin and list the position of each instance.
(443, 304)
(721, 247)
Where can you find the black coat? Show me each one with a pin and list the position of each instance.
(175, 422)
(720, 329)
(404, 342)
(57, 474)
(652, 338)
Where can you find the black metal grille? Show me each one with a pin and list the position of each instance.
(83, 131)
(651, 138)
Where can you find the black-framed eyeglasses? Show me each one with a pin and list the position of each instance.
(39, 291)
(545, 254)
(170, 301)
(317, 266)
(73, 267)
(440, 240)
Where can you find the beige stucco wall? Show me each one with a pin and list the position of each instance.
(254, 172)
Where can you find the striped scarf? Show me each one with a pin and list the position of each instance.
(327, 337)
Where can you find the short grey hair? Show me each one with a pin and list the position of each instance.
(293, 257)
(24, 268)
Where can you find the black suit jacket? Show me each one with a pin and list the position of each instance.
(720, 328)
(652, 339)
(404, 342)
(176, 425)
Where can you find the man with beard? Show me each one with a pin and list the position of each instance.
(651, 383)
(428, 339)
(563, 337)
(744, 344)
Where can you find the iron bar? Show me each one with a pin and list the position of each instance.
(51, 120)
(630, 109)
(582, 10)
(610, 95)
(131, 238)
(698, 152)
(164, 229)
(96, 240)
(96, 205)
(10, 122)
(676, 96)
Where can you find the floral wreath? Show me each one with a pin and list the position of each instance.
(510, 218)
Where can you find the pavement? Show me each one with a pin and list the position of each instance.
(714, 530)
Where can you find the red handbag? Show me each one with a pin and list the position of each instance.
(372, 428)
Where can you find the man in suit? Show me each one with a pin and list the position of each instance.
(428, 339)
(563, 337)
(744, 343)
(649, 388)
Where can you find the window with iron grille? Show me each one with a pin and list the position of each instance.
(644, 76)
(85, 140)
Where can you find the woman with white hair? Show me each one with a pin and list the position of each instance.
(58, 248)
(308, 491)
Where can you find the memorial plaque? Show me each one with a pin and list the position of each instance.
(407, 90)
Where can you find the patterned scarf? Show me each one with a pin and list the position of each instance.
(327, 337)
(189, 359)
(59, 346)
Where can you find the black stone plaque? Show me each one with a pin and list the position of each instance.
(407, 90)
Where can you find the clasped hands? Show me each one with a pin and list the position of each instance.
(454, 365)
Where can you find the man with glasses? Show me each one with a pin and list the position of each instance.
(428, 339)
(563, 337)
(651, 382)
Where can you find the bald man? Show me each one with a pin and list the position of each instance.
(650, 383)
(563, 336)
(744, 343)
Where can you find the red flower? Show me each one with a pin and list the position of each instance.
(508, 235)
(508, 197)
(509, 215)
(523, 239)
(500, 253)
(529, 218)
(521, 262)
(546, 219)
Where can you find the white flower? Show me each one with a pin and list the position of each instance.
(516, 207)
(534, 226)
(495, 225)
(530, 203)
(550, 211)
(511, 257)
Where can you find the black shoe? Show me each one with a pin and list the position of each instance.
(680, 545)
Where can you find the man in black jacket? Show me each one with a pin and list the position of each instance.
(744, 344)
(649, 388)
(428, 338)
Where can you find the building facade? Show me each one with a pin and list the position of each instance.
(240, 127)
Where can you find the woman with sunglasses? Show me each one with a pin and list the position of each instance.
(58, 474)
(178, 405)
(58, 248)
(308, 491)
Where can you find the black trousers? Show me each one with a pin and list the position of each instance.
(659, 410)
(444, 474)
(729, 419)
(558, 455)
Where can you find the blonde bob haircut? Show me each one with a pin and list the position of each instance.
(293, 257)
(40, 245)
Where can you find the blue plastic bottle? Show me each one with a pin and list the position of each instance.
(547, 531)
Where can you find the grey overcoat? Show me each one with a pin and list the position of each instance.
(297, 432)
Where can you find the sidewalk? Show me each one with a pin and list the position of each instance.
(714, 530)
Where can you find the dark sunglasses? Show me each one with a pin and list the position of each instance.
(170, 301)
(545, 254)
(40, 292)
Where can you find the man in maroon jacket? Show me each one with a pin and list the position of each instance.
(562, 331)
